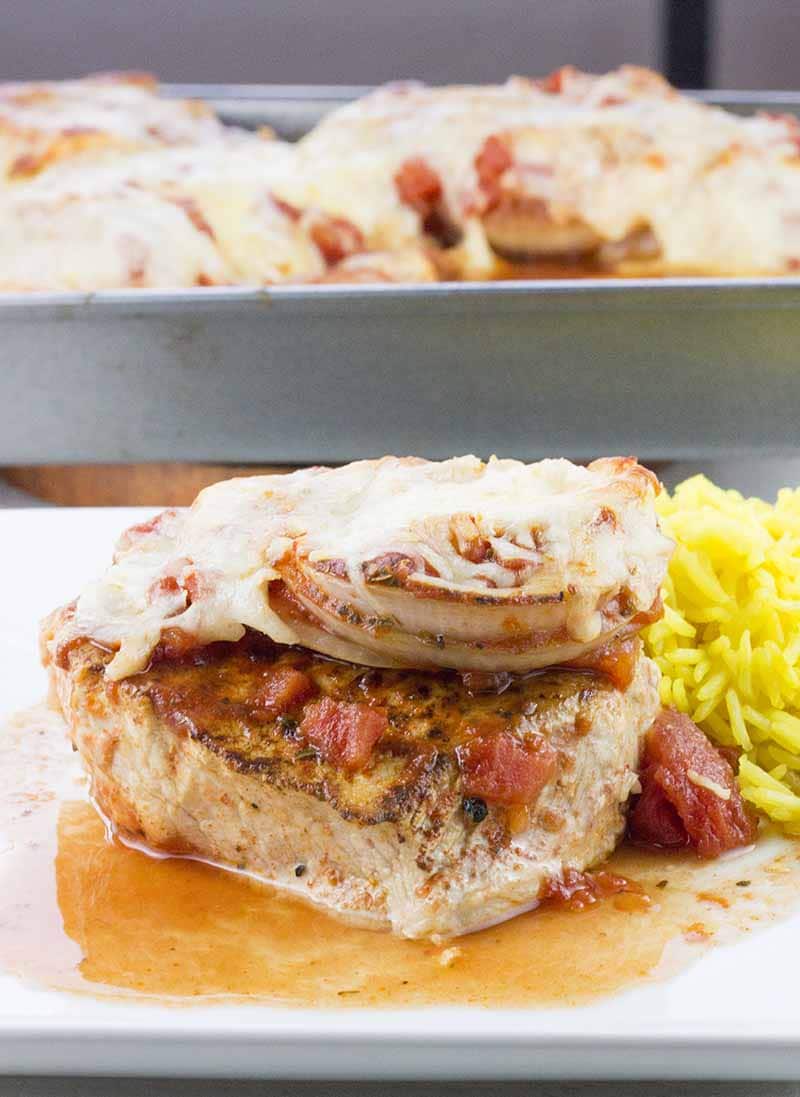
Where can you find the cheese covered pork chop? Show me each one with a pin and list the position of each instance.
(351, 682)
(428, 803)
(198, 215)
(47, 123)
(619, 166)
(338, 679)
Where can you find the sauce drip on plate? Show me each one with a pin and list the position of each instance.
(81, 912)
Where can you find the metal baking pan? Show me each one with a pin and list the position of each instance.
(293, 109)
(666, 369)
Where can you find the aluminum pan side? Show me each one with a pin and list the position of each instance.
(671, 369)
(292, 110)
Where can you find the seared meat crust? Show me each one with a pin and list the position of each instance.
(185, 758)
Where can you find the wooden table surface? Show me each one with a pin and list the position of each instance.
(170, 485)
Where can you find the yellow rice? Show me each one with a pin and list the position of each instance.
(728, 645)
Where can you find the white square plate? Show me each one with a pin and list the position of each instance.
(734, 1014)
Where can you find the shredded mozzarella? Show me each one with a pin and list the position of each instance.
(608, 155)
(577, 537)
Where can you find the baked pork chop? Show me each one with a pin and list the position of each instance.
(411, 691)
(425, 802)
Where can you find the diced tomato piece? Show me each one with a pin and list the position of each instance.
(493, 159)
(654, 821)
(25, 165)
(194, 584)
(491, 162)
(344, 733)
(616, 660)
(577, 890)
(281, 689)
(163, 587)
(418, 185)
(197, 585)
(502, 769)
(144, 529)
(647, 616)
(682, 769)
(554, 81)
(336, 238)
(152, 525)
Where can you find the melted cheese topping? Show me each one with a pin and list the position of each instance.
(407, 264)
(197, 213)
(604, 157)
(619, 164)
(203, 214)
(177, 217)
(125, 239)
(46, 122)
(556, 537)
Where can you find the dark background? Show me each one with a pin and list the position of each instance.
(754, 44)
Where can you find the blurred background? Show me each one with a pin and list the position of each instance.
(732, 44)
(751, 43)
